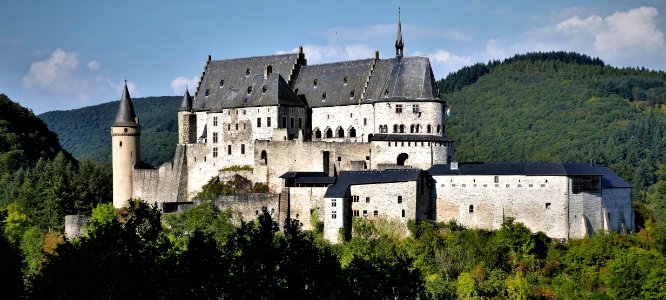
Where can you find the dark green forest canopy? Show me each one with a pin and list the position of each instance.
(24, 138)
(550, 110)
(85, 131)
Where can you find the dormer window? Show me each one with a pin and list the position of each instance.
(386, 93)
(323, 96)
(351, 94)
(222, 83)
(249, 90)
(207, 92)
(269, 69)
(344, 80)
(247, 72)
(314, 83)
(263, 89)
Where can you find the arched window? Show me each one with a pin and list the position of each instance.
(395, 128)
(428, 128)
(439, 128)
(264, 156)
(402, 128)
(370, 137)
(411, 129)
(418, 128)
(341, 132)
(402, 157)
(352, 132)
(329, 133)
(317, 133)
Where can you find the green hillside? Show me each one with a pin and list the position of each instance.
(558, 108)
(85, 132)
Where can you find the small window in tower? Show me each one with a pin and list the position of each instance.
(249, 90)
(214, 137)
(375, 213)
(229, 149)
(334, 214)
(242, 148)
(214, 121)
(222, 83)
(263, 89)
(351, 94)
(120, 144)
(365, 122)
(333, 202)
(247, 72)
(268, 121)
(258, 122)
(399, 199)
(471, 209)
(367, 199)
(548, 205)
(403, 213)
(344, 80)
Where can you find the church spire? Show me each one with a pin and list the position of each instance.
(125, 116)
(398, 41)
(186, 104)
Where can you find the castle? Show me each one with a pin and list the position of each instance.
(362, 138)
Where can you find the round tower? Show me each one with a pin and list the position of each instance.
(125, 145)
(187, 121)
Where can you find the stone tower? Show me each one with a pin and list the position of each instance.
(187, 121)
(125, 145)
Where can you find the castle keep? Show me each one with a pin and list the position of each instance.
(362, 138)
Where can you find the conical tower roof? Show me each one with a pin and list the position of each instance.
(186, 104)
(125, 116)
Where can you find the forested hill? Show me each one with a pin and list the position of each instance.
(561, 107)
(24, 138)
(85, 131)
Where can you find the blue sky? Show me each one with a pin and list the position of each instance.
(57, 55)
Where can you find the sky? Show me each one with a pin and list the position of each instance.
(59, 55)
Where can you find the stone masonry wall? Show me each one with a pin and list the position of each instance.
(617, 202)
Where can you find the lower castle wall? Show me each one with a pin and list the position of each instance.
(539, 202)
(617, 202)
(248, 206)
(303, 201)
(161, 184)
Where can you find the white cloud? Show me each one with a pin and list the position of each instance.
(93, 65)
(625, 38)
(60, 81)
(444, 62)
(178, 85)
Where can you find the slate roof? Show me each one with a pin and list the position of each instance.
(611, 180)
(223, 78)
(331, 80)
(125, 117)
(517, 168)
(294, 175)
(410, 138)
(309, 177)
(404, 78)
(348, 178)
(186, 104)
(277, 92)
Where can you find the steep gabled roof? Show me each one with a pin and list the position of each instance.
(125, 117)
(402, 79)
(225, 78)
(336, 80)
(348, 178)
(257, 91)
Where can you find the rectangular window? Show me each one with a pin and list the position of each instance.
(471, 209)
(229, 150)
(365, 213)
(284, 122)
(496, 179)
(229, 127)
(367, 199)
(403, 213)
(214, 151)
(258, 122)
(236, 126)
(300, 123)
(355, 198)
(214, 137)
(333, 202)
(292, 122)
(399, 199)
(375, 213)
(416, 108)
(585, 184)
(356, 214)
(242, 148)
(548, 205)
(268, 122)
(398, 108)
(214, 121)
(334, 214)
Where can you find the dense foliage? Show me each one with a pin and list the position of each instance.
(85, 131)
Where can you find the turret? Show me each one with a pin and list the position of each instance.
(399, 45)
(187, 121)
(125, 145)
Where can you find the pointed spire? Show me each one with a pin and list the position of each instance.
(186, 104)
(398, 41)
(125, 116)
